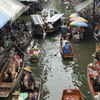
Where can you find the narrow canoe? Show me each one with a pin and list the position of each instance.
(6, 88)
(66, 55)
(91, 68)
(35, 51)
(29, 39)
(37, 90)
(77, 40)
(71, 93)
(51, 30)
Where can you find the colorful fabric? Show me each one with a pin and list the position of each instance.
(26, 80)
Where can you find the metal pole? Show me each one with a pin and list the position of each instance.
(93, 13)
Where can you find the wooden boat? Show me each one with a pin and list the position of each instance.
(63, 54)
(56, 22)
(2, 57)
(34, 54)
(71, 93)
(92, 70)
(6, 88)
(29, 39)
(37, 24)
(37, 91)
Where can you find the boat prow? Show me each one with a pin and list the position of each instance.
(71, 93)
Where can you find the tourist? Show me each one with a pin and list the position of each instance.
(14, 61)
(16, 96)
(66, 49)
(27, 80)
(30, 96)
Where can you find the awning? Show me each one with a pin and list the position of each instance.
(12, 8)
(37, 19)
(3, 20)
(55, 17)
(82, 5)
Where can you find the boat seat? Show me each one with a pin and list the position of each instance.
(76, 97)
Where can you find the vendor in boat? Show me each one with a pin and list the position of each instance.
(27, 80)
(76, 36)
(30, 96)
(14, 61)
(10, 74)
(35, 44)
(66, 49)
(50, 25)
(16, 96)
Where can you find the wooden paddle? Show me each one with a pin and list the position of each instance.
(41, 46)
(57, 52)
(20, 50)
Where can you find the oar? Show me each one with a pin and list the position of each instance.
(20, 50)
(57, 52)
(42, 46)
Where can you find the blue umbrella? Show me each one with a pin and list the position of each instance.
(79, 23)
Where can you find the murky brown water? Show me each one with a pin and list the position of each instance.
(55, 72)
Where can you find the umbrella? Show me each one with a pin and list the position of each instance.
(74, 15)
(67, 2)
(79, 23)
(78, 18)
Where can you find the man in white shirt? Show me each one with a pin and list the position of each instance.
(50, 25)
(16, 96)
(64, 41)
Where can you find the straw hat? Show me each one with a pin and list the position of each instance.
(55, 10)
(16, 93)
(27, 68)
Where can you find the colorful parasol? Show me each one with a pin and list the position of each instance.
(79, 23)
(67, 2)
(78, 18)
(74, 15)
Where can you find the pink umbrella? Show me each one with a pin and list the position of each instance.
(67, 2)
(74, 13)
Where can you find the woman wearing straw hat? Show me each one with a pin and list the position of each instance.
(27, 80)
(16, 96)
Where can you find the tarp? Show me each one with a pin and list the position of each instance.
(3, 20)
(37, 19)
(82, 5)
(54, 18)
(12, 8)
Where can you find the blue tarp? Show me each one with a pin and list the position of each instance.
(3, 20)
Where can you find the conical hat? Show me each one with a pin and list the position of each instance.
(16, 93)
(27, 68)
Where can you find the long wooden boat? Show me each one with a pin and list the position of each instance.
(34, 54)
(56, 22)
(92, 71)
(37, 91)
(70, 93)
(62, 53)
(6, 88)
(2, 57)
(29, 39)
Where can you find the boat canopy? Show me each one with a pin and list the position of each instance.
(12, 8)
(54, 18)
(37, 20)
(3, 20)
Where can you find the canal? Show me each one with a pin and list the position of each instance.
(54, 72)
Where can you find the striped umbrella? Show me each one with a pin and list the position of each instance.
(78, 18)
(74, 15)
(79, 23)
